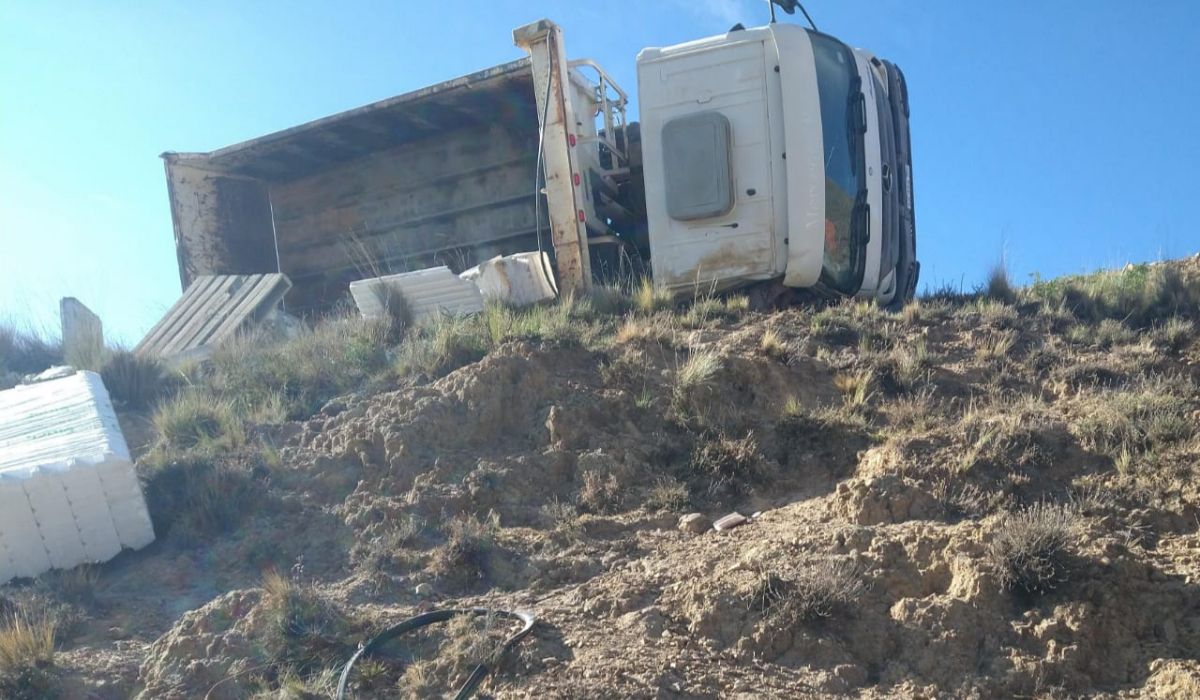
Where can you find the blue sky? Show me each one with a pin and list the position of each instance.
(1056, 133)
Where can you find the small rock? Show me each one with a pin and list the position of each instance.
(730, 521)
(423, 590)
(695, 523)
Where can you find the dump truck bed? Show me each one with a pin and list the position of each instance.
(440, 175)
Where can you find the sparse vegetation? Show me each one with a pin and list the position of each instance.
(1137, 294)
(824, 589)
(304, 631)
(24, 351)
(330, 358)
(1135, 421)
(27, 655)
(1031, 549)
(465, 557)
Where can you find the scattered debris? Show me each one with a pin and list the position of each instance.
(68, 491)
(214, 308)
(520, 279)
(426, 292)
(695, 523)
(730, 521)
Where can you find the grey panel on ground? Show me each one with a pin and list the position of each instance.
(214, 308)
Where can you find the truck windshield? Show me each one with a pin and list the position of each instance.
(838, 85)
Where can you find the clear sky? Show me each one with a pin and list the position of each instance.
(1060, 134)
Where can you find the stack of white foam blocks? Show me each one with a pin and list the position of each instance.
(68, 491)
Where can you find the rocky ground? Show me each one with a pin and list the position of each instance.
(979, 497)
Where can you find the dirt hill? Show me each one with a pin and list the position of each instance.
(988, 495)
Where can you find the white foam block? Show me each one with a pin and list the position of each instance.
(68, 490)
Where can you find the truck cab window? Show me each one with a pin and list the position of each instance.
(845, 173)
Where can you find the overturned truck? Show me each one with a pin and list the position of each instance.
(775, 159)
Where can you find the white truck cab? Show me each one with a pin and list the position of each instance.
(777, 153)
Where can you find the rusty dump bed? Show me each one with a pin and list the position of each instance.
(441, 175)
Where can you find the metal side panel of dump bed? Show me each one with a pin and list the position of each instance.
(442, 175)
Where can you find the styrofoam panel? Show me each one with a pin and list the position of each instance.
(427, 292)
(90, 506)
(19, 536)
(68, 491)
(126, 503)
(55, 521)
(519, 279)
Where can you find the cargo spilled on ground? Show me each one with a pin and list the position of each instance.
(988, 494)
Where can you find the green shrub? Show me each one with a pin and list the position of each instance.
(197, 497)
(304, 630)
(196, 419)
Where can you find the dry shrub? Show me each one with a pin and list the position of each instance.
(389, 550)
(600, 492)
(465, 557)
(997, 314)
(1005, 434)
(27, 654)
(827, 588)
(668, 493)
(443, 344)
(134, 380)
(1031, 549)
(907, 366)
(998, 285)
(726, 465)
(303, 630)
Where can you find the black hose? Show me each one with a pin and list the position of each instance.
(481, 671)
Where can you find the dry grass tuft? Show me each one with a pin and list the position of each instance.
(1031, 548)
(856, 388)
(648, 299)
(27, 655)
(995, 346)
(773, 345)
